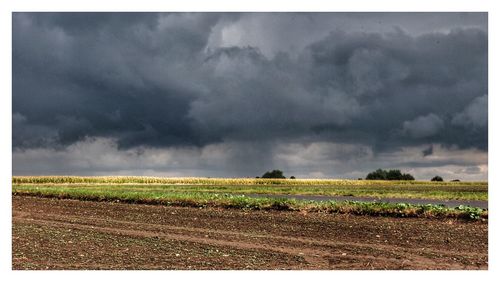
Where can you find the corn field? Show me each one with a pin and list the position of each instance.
(219, 181)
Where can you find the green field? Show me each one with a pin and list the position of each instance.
(226, 193)
(328, 187)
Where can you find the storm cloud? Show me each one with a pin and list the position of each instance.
(234, 94)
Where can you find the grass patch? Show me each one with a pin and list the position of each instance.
(227, 200)
(326, 187)
(380, 189)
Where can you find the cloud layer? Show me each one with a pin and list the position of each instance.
(250, 83)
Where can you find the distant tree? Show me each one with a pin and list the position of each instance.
(455, 180)
(379, 174)
(437, 178)
(292, 177)
(393, 174)
(407, 176)
(257, 176)
(360, 178)
(274, 174)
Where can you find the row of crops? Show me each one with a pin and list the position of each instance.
(218, 181)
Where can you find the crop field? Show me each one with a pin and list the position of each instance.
(329, 187)
(210, 223)
(224, 181)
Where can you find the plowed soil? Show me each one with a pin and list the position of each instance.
(71, 234)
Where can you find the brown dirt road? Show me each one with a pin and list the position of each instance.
(71, 234)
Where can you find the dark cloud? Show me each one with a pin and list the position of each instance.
(72, 81)
(475, 115)
(423, 126)
(157, 80)
(428, 151)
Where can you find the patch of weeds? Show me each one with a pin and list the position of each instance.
(241, 202)
(282, 204)
(470, 212)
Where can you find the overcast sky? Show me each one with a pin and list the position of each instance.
(318, 95)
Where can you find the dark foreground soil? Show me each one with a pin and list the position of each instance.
(71, 234)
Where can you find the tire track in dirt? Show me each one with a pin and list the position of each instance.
(312, 253)
(318, 241)
(162, 227)
(307, 254)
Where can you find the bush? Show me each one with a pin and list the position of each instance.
(407, 176)
(455, 180)
(292, 177)
(378, 174)
(437, 178)
(274, 174)
(393, 174)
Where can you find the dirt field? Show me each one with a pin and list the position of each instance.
(70, 234)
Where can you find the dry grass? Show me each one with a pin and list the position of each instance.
(221, 181)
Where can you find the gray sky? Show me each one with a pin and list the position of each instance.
(236, 94)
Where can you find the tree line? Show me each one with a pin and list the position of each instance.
(379, 174)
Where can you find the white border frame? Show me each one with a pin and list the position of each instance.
(9, 6)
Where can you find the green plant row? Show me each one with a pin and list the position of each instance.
(468, 192)
(241, 202)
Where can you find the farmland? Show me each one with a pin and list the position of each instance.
(207, 223)
(68, 234)
(329, 187)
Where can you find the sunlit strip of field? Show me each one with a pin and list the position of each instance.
(226, 200)
(223, 181)
(326, 187)
(382, 190)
